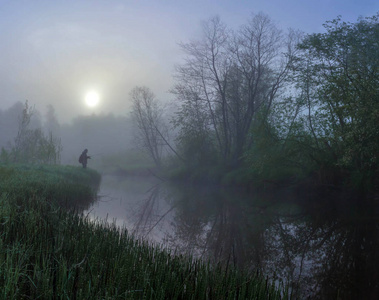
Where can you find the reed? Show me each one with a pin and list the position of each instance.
(49, 252)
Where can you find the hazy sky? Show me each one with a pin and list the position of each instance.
(56, 51)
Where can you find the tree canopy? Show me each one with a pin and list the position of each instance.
(341, 68)
(261, 99)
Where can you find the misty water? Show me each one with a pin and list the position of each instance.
(320, 244)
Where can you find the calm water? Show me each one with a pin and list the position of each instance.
(325, 249)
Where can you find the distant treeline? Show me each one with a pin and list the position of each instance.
(23, 124)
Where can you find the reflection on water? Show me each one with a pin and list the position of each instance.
(325, 249)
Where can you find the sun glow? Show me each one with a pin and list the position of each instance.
(92, 98)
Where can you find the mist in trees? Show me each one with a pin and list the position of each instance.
(31, 144)
(102, 135)
(280, 106)
(256, 108)
(338, 71)
(229, 78)
(255, 104)
(9, 123)
(152, 131)
(29, 136)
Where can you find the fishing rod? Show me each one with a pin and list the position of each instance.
(97, 154)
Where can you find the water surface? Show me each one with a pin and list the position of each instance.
(324, 246)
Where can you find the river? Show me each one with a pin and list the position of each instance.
(322, 245)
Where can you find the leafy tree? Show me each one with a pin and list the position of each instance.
(339, 79)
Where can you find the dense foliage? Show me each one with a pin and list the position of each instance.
(339, 79)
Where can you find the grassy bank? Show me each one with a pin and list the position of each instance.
(48, 252)
(66, 186)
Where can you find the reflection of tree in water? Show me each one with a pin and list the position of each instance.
(350, 256)
(216, 225)
(149, 215)
(324, 252)
(328, 254)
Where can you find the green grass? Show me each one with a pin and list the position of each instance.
(47, 252)
(64, 185)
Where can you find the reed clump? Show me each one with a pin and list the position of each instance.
(48, 252)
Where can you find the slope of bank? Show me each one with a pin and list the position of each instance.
(51, 252)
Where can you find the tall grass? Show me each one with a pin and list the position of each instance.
(47, 252)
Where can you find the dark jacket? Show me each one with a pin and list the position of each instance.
(83, 158)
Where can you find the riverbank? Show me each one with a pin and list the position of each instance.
(66, 186)
(48, 251)
(249, 180)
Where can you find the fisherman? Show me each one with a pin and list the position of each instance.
(83, 158)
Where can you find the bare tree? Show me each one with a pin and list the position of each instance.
(152, 135)
(32, 145)
(228, 77)
(202, 83)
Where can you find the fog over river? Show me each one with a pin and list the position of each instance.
(321, 248)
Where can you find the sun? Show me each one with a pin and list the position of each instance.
(92, 98)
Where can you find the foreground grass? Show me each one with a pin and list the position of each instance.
(47, 252)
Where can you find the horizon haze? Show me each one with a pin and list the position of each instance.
(58, 52)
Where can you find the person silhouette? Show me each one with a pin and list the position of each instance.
(83, 158)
